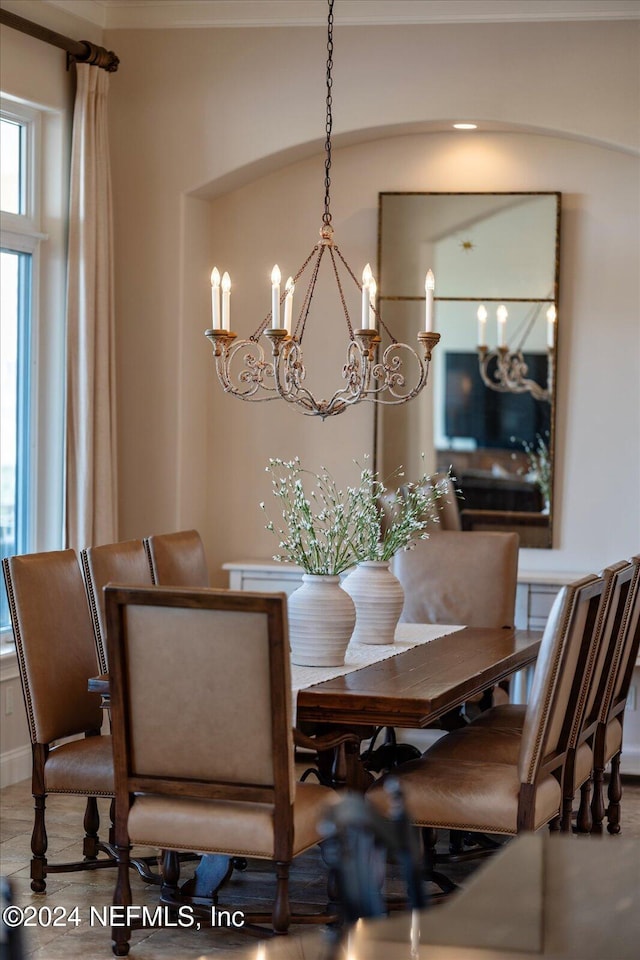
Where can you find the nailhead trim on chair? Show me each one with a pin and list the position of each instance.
(535, 756)
(100, 640)
(161, 844)
(588, 670)
(147, 550)
(606, 700)
(19, 649)
(81, 793)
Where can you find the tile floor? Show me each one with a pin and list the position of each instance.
(94, 889)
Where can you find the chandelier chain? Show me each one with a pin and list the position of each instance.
(340, 290)
(359, 286)
(306, 306)
(326, 217)
(255, 336)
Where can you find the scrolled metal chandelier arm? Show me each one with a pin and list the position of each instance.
(509, 374)
(244, 370)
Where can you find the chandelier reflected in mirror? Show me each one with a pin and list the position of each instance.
(505, 370)
(370, 372)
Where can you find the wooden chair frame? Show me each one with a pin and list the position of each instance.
(129, 783)
(594, 669)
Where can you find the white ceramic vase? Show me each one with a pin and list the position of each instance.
(379, 598)
(321, 620)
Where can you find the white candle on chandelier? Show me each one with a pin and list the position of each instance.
(275, 297)
(373, 289)
(367, 277)
(215, 298)
(226, 301)
(551, 325)
(482, 325)
(502, 325)
(288, 305)
(429, 287)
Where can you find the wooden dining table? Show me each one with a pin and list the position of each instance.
(419, 685)
(413, 688)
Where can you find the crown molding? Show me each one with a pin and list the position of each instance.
(172, 14)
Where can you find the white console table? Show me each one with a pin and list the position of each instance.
(535, 594)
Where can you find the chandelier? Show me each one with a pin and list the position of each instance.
(505, 370)
(369, 372)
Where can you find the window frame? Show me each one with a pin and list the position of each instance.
(45, 186)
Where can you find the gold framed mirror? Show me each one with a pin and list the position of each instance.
(490, 408)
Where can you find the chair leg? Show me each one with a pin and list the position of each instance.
(91, 827)
(585, 820)
(429, 841)
(567, 814)
(598, 809)
(281, 910)
(567, 784)
(615, 796)
(554, 825)
(39, 844)
(120, 935)
(112, 821)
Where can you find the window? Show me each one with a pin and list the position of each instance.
(31, 412)
(15, 271)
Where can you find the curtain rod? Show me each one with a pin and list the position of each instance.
(83, 51)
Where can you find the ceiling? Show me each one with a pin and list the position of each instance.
(162, 14)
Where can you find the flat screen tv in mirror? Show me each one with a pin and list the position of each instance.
(486, 251)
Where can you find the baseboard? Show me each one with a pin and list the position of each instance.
(630, 760)
(15, 765)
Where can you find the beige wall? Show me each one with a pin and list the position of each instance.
(598, 278)
(219, 114)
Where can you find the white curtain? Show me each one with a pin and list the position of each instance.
(91, 508)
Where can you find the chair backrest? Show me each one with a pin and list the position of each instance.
(177, 559)
(54, 642)
(626, 652)
(455, 577)
(201, 694)
(617, 580)
(564, 650)
(124, 562)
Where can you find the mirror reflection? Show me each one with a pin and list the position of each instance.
(489, 410)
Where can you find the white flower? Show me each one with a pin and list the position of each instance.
(350, 525)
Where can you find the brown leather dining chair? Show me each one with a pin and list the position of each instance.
(592, 739)
(56, 657)
(610, 727)
(123, 562)
(599, 664)
(505, 781)
(177, 559)
(465, 578)
(211, 669)
(456, 577)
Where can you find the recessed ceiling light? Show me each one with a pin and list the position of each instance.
(465, 126)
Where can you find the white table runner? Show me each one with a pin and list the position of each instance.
(361, 655)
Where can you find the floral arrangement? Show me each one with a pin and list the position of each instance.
(329, 530)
